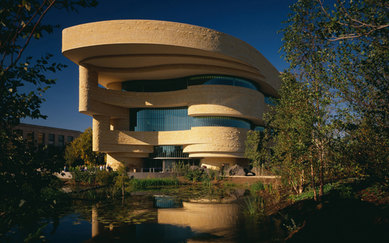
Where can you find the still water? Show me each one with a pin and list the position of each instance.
(159, 217)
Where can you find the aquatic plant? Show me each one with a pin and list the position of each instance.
(254, 206)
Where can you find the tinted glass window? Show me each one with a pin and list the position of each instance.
(183, 83)
(173, 119)
(41, 138)
(70, 139)
(51, 138)
(168, 152)
(61, 140)
(270, 101)
(220, 122)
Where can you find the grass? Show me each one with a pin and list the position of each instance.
(153, 182)
(344, 191)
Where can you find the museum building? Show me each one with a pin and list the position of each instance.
(161, 92)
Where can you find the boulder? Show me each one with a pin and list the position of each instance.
(236, 170)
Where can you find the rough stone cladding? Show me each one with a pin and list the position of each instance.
(111, 52)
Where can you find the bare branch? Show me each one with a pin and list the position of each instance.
(30, 36)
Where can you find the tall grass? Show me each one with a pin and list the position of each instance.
(138, 184)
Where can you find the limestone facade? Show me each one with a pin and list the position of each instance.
(111, 54)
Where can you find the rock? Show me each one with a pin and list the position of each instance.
(248, 172)
(236, 170)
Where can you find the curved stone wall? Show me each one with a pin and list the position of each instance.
(111, 52)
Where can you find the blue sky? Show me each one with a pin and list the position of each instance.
(254, 21)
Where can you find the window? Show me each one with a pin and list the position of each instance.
(61, 140)
(259, 128)
(220, 122)
(169, 119)
(270, 100)
(30, 137)
(70, 139)
(41, 138)
(51, 139)
(168, 151)
(183, 83)
(174, 119)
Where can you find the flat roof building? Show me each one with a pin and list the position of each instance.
(164, 91)
(43, 135)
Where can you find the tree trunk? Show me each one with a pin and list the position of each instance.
(313, 181)
(321, 171)
(301, 185)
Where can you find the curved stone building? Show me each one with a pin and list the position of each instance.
(164, 91)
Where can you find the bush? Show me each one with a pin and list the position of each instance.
(104, 177)
(93, 176)
(153, 182)
(194, 174)
(256, 187)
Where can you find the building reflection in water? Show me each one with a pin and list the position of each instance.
(208, 222)
(203, 217)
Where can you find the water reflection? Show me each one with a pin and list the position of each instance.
(146, 217)
(218, 219)
(193, 222)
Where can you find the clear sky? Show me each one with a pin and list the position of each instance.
(254, 21)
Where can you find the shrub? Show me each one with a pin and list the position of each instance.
(194, 174)
(153, 182)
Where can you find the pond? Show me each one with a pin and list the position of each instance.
(184, 214)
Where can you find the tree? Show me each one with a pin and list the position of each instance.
(359, 34)
(310, 55)
(286, 145)
(339, 54)
(79, 151)
(25, 172)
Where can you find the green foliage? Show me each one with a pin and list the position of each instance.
(254, 206)
(94, 176)
(194, 174)
(343, 190)
(286, 145)
(331, 118)
(139, 184)
(256, 187)
(79, 151)
(253, 145)
(180, 168)
(26, 171)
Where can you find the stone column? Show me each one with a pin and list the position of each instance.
(88, 80)
(100, 127)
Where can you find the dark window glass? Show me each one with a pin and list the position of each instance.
(259, 128)
(244, 83)
(171, 119)
(270, 101)
(174, 119)
(61, 140)
(220, 80)
(219, 122)
(30, 137)
(51, 139)
(70, 139)
(168, 151)
(183, 83)
(41, 138)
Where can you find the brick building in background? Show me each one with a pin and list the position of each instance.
(42, 135)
